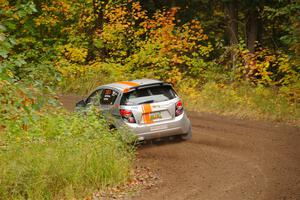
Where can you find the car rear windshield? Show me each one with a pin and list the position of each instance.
(148, 95)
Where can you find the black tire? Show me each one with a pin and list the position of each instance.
(187, 136)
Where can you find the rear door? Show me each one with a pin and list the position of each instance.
(151, 105)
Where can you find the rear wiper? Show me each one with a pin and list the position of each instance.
(149, 101)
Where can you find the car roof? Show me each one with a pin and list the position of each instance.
(122, 85)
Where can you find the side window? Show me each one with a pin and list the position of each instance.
(108, 97)
(94, 98)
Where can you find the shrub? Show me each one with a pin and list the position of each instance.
(264, 66)
(47, 153)
(132, 44)
(242, 101)
(62, 155)
(81, 79)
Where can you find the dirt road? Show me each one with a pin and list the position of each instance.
(226, 159)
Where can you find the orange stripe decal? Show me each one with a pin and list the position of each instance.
(126, 90)
(147, 118)
(146, 113)
(147, 108)
(128, 83)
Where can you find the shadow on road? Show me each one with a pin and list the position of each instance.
(159, 142)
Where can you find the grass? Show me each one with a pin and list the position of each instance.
(62, 155)
(95, 75)
(242, 101)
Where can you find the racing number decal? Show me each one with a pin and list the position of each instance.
(146, 113)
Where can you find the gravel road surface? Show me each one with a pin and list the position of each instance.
(226, 159)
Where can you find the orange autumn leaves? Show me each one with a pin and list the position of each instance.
(265, 67)
(130, 40)
(155, 46)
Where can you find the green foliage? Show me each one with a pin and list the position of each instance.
(62, 42)
(289, 30)
(243, 101)
(76, 45)
(62, 155)
(266, 67)
(22, 52)
(132, 44)
(46, 153)
(86, 78)
(21, 102)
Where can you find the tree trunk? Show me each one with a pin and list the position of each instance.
(98, 8)
(99, 12)
(252, 29)
(157, 4)
(231, 10)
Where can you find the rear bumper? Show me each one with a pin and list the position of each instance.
(179, 125)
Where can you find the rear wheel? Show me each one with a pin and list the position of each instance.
(187, 136)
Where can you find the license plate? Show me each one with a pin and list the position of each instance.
(160, 127)
(154, 116)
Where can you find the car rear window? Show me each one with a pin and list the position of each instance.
(148, 95)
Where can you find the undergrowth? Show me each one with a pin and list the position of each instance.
(242, 101)
(62, 155)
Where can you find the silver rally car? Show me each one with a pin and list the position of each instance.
(151, 108)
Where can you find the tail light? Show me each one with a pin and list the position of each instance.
(127, 115)
(178, 108)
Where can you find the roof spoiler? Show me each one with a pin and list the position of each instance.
(150, 85)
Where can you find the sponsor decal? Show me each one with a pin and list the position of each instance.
(155, 116)
(156, 106)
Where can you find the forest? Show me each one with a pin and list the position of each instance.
(230, 57)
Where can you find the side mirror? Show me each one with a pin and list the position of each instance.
(80, 103)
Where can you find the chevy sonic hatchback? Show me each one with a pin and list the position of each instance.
(150, 108)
